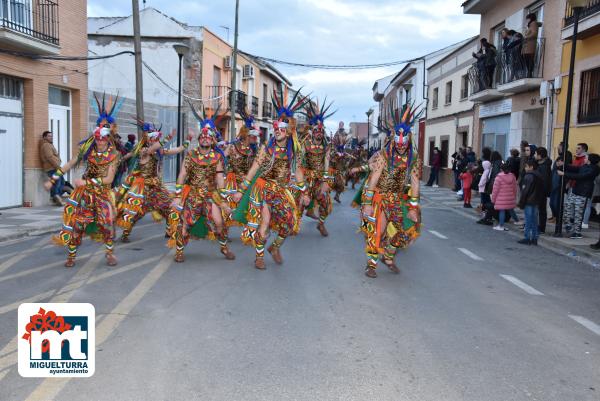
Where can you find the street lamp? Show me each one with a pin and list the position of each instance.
(577, 6)
(181, 50)
(368, 113)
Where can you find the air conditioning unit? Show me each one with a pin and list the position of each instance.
(227, 62)
(248, 71)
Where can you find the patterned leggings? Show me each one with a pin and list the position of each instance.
(574, 209)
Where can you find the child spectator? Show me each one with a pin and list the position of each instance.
(466, 178)
(532, 192)
(504, 194)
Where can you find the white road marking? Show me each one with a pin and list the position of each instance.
(79, 257)
(438, 234)
(525, 287)
(50, 387)
(11, 261)
(470, 254)
(588, 324)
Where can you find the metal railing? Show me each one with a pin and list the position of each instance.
(592, 8)
(218, 95)
(254, 106)
(513, 64)
(448, 98)
(267, 110)
(241, 100)
(481, 77)
(36, 18)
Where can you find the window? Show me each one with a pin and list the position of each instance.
(464, 87)
(448, 92)
(59, 96)
(589, 102)
(498, 36)
(538, 10)
(408, 94)
(435, 98)
(10, 87)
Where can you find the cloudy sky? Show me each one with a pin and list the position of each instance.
(325, 32)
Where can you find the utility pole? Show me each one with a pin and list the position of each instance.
(233, 93)
(137, 46)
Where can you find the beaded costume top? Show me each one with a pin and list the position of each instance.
(240, 160)
(314, 156)
(150, 168)
(98, 163)
(276, 165)
(202, 169)
(393, 177)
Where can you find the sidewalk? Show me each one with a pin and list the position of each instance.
(29, 221)
(575, 248)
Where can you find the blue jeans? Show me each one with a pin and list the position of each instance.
(485, 198)
(57, 188)
(513, 215)
(501, 217)
(434, 176)
(531, 222)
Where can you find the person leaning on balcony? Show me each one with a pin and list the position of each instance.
(50, 163)
(530, 35)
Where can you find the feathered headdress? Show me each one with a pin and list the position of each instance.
(399, 130)
(208, 125)
(316, 115)
(285, 116)
(107, 109)
(248, 128)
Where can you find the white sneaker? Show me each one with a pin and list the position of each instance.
(459, 193)
(436, 186)
(500, 228)
(585, 226)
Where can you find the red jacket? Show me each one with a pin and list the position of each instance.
(467, 179)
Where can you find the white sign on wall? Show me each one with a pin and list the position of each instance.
(496, 108)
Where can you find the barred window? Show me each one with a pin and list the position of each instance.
(589, 102)
(10, 87)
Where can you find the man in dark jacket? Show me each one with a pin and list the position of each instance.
(532, 193)
(544, 166)
(556, 180)
(581, 192)
(471, 156)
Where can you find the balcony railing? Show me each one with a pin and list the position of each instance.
(241, 100)
(217, 96)
(481, 77)
(267, 110)
(254, 108)
(592, 8)
(35, 18)
(513, 65)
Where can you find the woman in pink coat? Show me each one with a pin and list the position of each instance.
(504, 194)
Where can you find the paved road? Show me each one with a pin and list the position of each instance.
(472, 316)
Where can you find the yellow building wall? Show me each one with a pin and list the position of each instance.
(588, 133)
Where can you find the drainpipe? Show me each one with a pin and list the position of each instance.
(550, 117)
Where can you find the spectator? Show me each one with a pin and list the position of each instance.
(51, 163)
(580, 152)
(581, 192)
(484, 196)
(530, 35)
(130, 143)
(486, 63)
(504, 194)
(544, 166)
(471, 156)
(532, 191)
(466, 178)
(514, 162)
(523, 159)
(436, 164)
(556, 180)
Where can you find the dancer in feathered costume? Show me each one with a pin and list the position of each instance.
(316, 164)
(359, 158)
(201, 199)
(240, 156)
(391, 216)
(90, 208)
(267, 187)
(143, 190)
(338, 165)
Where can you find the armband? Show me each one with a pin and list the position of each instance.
(244, 185)
(368, 197)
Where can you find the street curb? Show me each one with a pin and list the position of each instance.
(588, 257)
